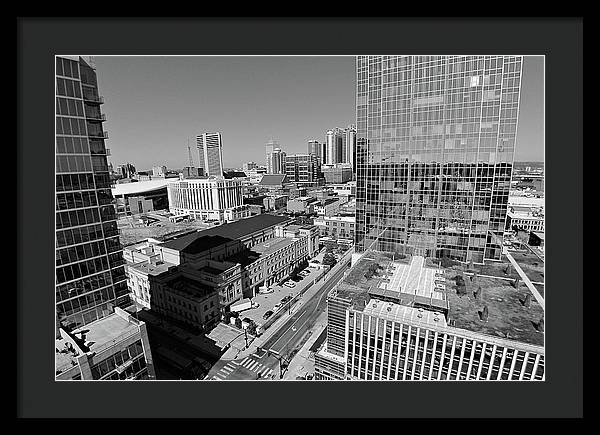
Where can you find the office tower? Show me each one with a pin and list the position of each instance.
(210, 153)
(275, 158)
(334, 146)
(350, 146)
(126, 171)
(435, 146)
(318, 149)
(303, 168)
(340, 144)
(91, 284)
(88, 252)
(249, 166)
(159, 171)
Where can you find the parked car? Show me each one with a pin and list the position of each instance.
(277, 306)
(267, 314)
(290, 284)
(285, 299)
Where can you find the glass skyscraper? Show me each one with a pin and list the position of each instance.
(434, 155)
(90, 272)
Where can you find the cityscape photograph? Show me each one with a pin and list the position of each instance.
(300, 218)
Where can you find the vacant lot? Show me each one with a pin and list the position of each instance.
(131, 230)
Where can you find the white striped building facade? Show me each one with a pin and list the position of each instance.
(208, 199)
(377, 348)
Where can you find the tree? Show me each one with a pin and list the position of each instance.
(329, 259)
(516, 283)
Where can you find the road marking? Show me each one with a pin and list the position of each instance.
(227, 369)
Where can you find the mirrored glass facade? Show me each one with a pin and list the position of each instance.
(90, 272)
(434, 154)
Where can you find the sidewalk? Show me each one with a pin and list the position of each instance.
(301, 364)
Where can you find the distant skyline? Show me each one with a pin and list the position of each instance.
(155, 105)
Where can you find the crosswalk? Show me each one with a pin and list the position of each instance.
(248, 363)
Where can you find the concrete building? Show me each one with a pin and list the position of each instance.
(337, 173)
(275, 202)
(272, 261)
(327, 207)
(406, 323)
(191, 172)
(141, 196)
(525, 220)
(210, 153)
(303, 169)
(336, 226)
(207, 199)
(180, 296)
(346, 189)
(302, 204)
(114, 347)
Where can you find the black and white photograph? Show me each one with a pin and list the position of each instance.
(371, 217)
(257, 217)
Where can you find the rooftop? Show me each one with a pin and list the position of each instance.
(139, 187)
(98, 335)
(509, 315)
(272, 245)
(229, 231)
(190, 286)
(245, 227)
(402, 313)
(195, 243)
(273, 180)
(150, 268)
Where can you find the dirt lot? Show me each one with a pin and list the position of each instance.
(131, 230)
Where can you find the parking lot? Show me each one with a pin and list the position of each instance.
(267, 301)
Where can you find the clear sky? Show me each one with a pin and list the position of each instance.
(154, 105)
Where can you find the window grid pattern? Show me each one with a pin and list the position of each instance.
(434, 154)
(380, 349)
(90, 274)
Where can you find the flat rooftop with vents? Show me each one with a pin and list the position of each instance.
(414, 288)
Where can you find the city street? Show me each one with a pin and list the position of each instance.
(276, 349)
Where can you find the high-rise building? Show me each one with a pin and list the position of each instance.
(350, 146)
(249, 166)
(318, 149)
(90, 275)
(210, 153)
(435, 146)
(159, 171)
(126, 171)
(275, 158)
(303, 168)
(340, 145)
